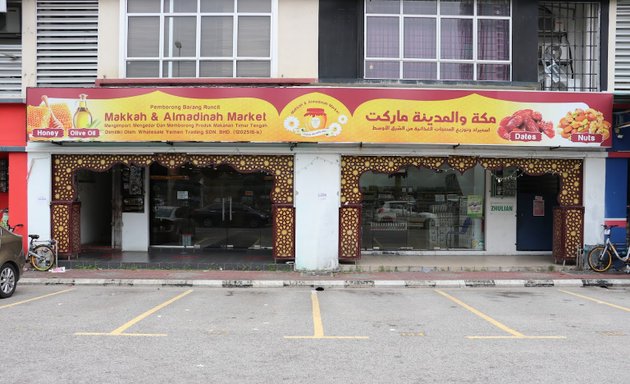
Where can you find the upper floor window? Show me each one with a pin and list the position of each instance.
(569, 45)
(199, 38)
(438, 39)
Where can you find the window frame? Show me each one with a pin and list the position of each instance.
(584, 59)
(437, 60)
(162, 59)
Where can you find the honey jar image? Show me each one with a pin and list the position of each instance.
(315, 118)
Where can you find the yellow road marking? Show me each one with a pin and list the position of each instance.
(120, 330)
(327, 337)
(514, 334)
(36, 298)
(120, 334)
(318, 325)
(515, 337)
(596, 300)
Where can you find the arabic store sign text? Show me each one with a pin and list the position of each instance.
(322, 115)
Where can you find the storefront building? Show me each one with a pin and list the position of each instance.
(287, 169)
(355, 128)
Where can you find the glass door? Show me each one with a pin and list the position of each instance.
(211, 208)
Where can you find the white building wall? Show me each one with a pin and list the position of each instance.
(500, 228)
(110, 17)
(594, 199)
(39, 179)
(29, 44)
(317, 196)
(298, 38)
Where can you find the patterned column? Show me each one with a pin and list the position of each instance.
(283, 232)
(349, 232)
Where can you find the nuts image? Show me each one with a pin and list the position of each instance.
(584, 121)
(525, 120)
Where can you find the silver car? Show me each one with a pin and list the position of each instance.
(11, 261)
(404, 211)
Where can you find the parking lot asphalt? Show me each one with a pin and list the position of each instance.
(148, 334)
(279, 279)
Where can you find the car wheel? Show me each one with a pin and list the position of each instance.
(8, 280)
(207, 222)
(254, 223)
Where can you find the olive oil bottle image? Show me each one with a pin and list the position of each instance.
(82, 116)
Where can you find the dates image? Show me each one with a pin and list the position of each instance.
(525, 121)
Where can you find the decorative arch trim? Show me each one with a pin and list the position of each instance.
(65, 210)
(569, 197)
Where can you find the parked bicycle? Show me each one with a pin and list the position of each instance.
(42, 254)
(600, 258)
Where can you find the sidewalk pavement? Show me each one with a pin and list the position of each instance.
(370, 272)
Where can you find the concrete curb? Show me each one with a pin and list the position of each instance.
(357, 284)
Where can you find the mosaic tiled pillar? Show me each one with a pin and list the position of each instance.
(568, 228)
(63, 207)
(350, 231)
(283, 232)
(66, 227)
(568, 233)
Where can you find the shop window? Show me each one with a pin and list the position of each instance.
(438, 40)
(569, 45)
(423, 209)
(228, 38)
